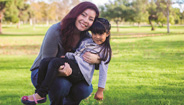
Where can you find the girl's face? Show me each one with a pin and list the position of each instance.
(85, 19)
(99, 38)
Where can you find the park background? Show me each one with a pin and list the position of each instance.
(147, 40)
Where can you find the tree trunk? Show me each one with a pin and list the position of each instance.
(117, 26)
(47, 22)
(0, 22)
(168, 17)
(31, 21)
(139, 25)
(18, 25)
(152, 27)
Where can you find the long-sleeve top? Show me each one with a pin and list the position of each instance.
(52, 45)
(88, 69)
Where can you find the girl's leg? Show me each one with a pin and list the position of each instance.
(43, 70)
(52, 72)
(76, 75)
(30, 99)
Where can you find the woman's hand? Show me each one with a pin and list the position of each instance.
(65, 70)
(91, 58)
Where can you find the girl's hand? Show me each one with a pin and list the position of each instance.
(99, 94)
(62, 56)
(65, 70)
(91, 58)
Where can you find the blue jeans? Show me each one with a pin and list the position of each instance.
(62, 92)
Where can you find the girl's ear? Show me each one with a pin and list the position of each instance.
(107, 34)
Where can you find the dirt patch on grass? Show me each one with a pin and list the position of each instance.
(145, 35)
(136, 35)
(19, 50)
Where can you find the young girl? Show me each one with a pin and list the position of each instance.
(98, 44)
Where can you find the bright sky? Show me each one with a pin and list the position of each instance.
(99, 2)
(102, 2)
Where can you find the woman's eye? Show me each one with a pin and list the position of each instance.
(83, 14)
(91, 19)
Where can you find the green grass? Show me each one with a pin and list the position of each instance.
(147, 68)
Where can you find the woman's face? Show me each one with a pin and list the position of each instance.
(85, 19)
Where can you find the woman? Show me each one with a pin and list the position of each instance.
(65, 37)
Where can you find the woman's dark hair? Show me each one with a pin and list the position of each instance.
(101, 26)
(68, 23)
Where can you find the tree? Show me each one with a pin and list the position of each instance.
(164, 7)
(12, 11)
(2, 6)
(115, 11)
(152, 14)
(181, 6)
(55, 10)
(24, 11)
(139, 11)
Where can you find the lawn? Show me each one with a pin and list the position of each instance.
(147, 67)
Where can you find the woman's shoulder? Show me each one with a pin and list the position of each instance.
(55, 27)
(54, 30)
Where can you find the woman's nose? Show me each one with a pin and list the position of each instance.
(86, 20)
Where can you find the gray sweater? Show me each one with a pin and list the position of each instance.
(86, 68)
(51, 45)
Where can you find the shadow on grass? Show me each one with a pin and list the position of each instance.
(140, 35)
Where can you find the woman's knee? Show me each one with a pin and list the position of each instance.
(34, 77)
(81, 91)
(60, 87)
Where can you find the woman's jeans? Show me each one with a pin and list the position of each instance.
(62, 92)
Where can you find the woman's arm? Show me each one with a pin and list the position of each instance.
(50, 49)
(91, 58)
(50, 43)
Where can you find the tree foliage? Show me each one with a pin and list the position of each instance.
(140, 11)
(117, 11)
(156, 12)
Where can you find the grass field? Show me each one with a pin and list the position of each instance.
(147, 67)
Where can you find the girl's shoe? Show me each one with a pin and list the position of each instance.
(25, 100)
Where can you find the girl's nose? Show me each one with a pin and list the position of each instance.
(98, 36)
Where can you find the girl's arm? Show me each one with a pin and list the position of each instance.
(102, 80)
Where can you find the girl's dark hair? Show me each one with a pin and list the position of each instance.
(101, 26)
(68, 23)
